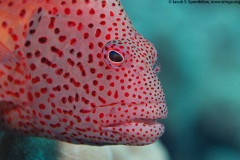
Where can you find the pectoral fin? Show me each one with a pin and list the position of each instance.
(6, 56)
(9, 67)
(7, 105)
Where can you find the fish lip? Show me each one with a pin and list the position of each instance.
(149, 122)
(137, 134)
(138, 118)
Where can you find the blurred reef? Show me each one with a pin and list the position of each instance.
(199, 53)
(17, 147)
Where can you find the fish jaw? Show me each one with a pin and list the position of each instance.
(131, 124)
(146, 134)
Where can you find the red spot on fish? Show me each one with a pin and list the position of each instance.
(101, 115)
(70, 61)
(94, 93)
(111, 13)
(71, 23)
(66, 87)
(87, 119)
(86, 35)
(79, 54)
(35, 80)
(90, 25)
(91, 11)
(73, 41)
(101, 88)
(108, 37)
(4, 24)
(67, 11)
(32, 67)
(102, 15)
(49, 80)
(56, 30)
(62, 38)
(79, 12)
(42, 40)
(15, 37)
(98, 33)
(22, 13)
(100, 44)
(30, 96)
(92, 70)
(74, 1)
(48, 117)
(27, 43)
(42, 106)
(57, 51)
(80, 26)
(51, 24)
(95, 82)
(43, 90)
(103, 22)
(91, 45)
(112, 84)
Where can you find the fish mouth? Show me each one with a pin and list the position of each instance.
(124, 114)
(148, 122)
(138, 132)
(133, 124)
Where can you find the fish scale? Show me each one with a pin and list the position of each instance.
(85, 76)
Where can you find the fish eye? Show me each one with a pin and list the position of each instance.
(114, 56)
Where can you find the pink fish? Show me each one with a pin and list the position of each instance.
(77, 71)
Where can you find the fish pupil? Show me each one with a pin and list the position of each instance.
(115, 56)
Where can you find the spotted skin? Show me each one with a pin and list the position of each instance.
(78, 71)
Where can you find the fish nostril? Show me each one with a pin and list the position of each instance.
(156, 68)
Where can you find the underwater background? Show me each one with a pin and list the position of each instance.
(199, 54)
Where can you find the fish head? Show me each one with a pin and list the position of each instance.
(133, 96)
(90, 77)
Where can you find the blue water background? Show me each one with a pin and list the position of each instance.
(199, 53)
